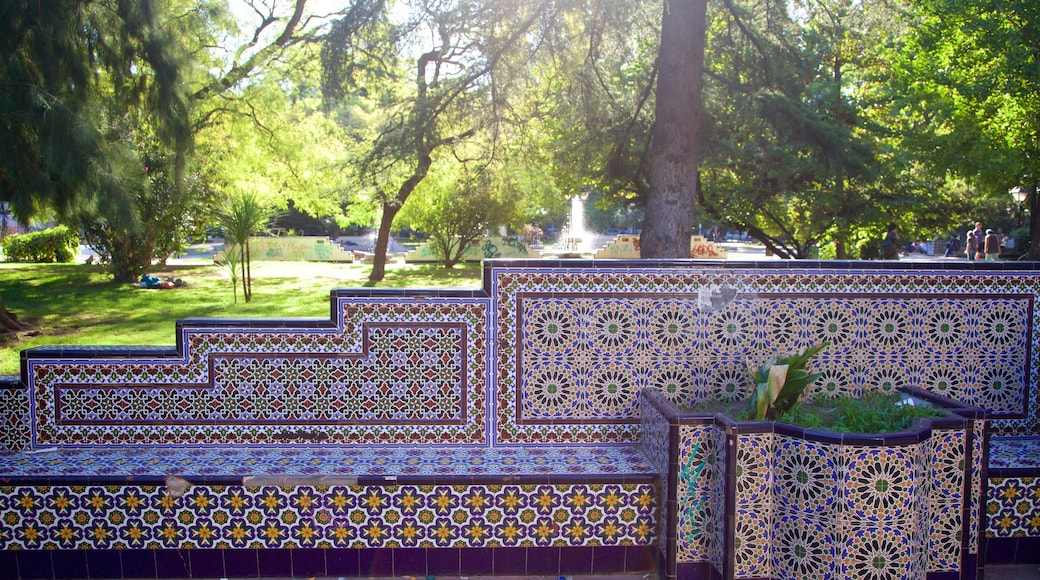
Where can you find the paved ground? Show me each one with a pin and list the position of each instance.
(1012, 572)
(736, 250)
(992, 573)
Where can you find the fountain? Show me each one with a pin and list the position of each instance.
(576, 240)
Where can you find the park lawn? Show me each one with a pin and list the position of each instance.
(79, 304)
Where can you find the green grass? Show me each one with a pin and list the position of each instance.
(873, 412)
(77, 304)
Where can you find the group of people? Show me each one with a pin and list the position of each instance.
(982, 245)
(979, 244)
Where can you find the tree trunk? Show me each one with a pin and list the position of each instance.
(248, 273)
(382, 242)
(422, 167)
(1034, 224)
(9, 323)
(675, 150)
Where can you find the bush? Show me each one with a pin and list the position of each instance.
(1021, 237)
(874, 412)
(58, 244)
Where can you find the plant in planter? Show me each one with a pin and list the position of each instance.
(811, 488)
(780, 382)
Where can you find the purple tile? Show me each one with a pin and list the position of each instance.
(639, 558)
(576, 560)
(510, 561)
(172, 564)
(9, 561)
(207, 563)
(69, 564)
(445, 562)
(1028, 551)
(342, 562)
(138, 563)
(104, 564)
(272, 562)
(241, 563)
(608, 559)
(478, 561)
(409, 561)
(308, 562)
(376, 562)
(543, 561)
(33, 564)
(1001, 550)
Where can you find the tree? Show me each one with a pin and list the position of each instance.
(450, 95)
(258, 113)
(164, 211)
(962, 83)
(456, 211)
(243, 215)
(677, 132)
(789, 157)
(64, 62)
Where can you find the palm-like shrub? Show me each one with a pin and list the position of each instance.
(780, 382)
(242, 216)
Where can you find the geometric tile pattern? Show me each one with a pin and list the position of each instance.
(392, 373)
(701, 511)
(574, 347)
(235, 516)
(555, 354)
(14, 417)
(204, 464)
(829, 510)
(809, 507)
(1020, 453)
(1013, 507)
(549, 360)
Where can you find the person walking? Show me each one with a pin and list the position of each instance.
(951, 246)
(890, 245)
(971, 246)
(980, 240)
(991, 246)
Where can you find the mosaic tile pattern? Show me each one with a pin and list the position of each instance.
(233, 516)
(1014, 453)
(976, 504)
(754, 507)
(14, 417)
(393, 373)
(700, 499)
(1013, 507)
(568, 350)
(551, 359)
(356, 461)
(816, 509)
(575, 346)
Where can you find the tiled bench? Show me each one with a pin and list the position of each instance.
(488, 431)
(263, 512)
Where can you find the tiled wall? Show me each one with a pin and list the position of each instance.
(397, 371)
(74, 517)
(548, 356)
(575, 346)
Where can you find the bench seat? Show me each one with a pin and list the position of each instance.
(222, 464)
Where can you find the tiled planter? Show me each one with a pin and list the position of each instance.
(771, 500)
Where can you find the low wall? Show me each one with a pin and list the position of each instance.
(296, 248)
(487, 248)
(548, 354)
